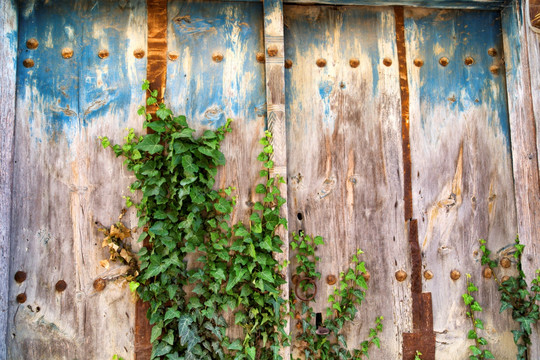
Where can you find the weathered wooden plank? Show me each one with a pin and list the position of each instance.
(522, 83)
(462, 178)
(8, 68)
(275, 113)
(66, 181)
(345, 159)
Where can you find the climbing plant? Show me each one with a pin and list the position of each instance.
(517, 296)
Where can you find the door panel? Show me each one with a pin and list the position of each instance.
(344, 156)
(461, 166)
(62, 176)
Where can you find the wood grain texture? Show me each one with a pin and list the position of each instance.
(522, 82)
(276, 123)
(345, 159)
(461, 167)
(64, 180)
(8, 68)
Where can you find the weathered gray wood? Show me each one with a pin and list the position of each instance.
(276, 122)
(344, 158)
(65, 180)
(8, 67)
(522, 78)
(461, 167)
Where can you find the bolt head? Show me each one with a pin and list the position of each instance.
(455, 275)
(387, 61)
(428, 274)
(321, 62)
(21, 298)
(67, 53)
(331, 279)
(487, 273)
(469, 61)
(99, 284)
(60, 286)
(288, 64)
(217, 57)
(400, 275)
(418, 62)
(354, 62)
(103, 53)
(272, 50)
(444, 61)
(138, 53)
(260, 57)
(32, 43)
(505, 262)
(20, 276)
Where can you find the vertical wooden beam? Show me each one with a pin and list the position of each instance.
(8, 67)
(156, 74)
(524, 148)
(275, 110)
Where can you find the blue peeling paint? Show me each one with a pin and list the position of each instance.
(457, 35)
(68, 94)
(209, 92)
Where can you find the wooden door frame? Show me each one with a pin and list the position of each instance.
(521, 86)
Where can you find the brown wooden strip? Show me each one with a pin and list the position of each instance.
(156, 74)
(422, 342)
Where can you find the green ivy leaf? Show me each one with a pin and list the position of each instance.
(150, 144)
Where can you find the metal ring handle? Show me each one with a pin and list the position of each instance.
(311, 296)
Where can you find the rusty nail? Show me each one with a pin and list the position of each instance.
(21, 298)
(321, 62)
(366, 275)
(492, 52)
(505, 278)
(299, 325)
(469, 61)
(173, 55)
(428, 274)
(354, 62)
(455, 275)
(67, 53)
(20, 276)
(99, 284)
(331, 279)
(387, 61)
(272, 50)
(60, 286)
(288, 64)
(103, 53)
(297, 316)
(505, 262)
(260, 57)
(217, 56)
(28, 63)
(32, 43)
(487, 272)
(494, 69)
(444, 61)
(138, 53)
(295, 279)
(418, 62)
(401, 275)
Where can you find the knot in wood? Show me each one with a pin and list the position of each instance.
(272, 50)
(455, 275)
(32, 43)
(401, 275)
(67, 53)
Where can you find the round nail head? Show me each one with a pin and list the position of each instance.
(21, 298)
(505, 262)
(217, 57)
(28, 63)
(32, 43)
(60, 286)
(299, 325)
(20, 276)
(418, 62)
(288, 64)
(469, 61)
(103, 53)
(366, 275)
(331, 279)
(494, 69)
(173, 55)
(428, 274)
(272, 50)
(99, 284)
(455, 275)
(138, 53)
(67, 53)
(321, 62)
(487, 273)
(401, 275)
(492, 52)
(260, 57)
(387, 61)
(443, 61)
(354, 62)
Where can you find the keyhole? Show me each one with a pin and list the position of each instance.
(318, 320)
(300, 216)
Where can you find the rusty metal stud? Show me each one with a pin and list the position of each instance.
(418, 62)
(99, 284)
(455, 275)
(20, 276)
(260, 57)
(401, 275)
(297, 316)
(103, 53)
(288, 64)
(494, 69)
(32, 43)
(469, 61)
(444, 61)
(138, 53)
(487, 272)
(272, 50)
(331, 279)
(428, 274)
(173, 55)
(67, 53)
(505, 262)
(21, 298)
(28, 63)
(217, 57)
(505, 278)
(366, 275)
(387, 61)
(299, 325)
(354, 62)
(321, 62)
(60, 286)
(492, 52)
